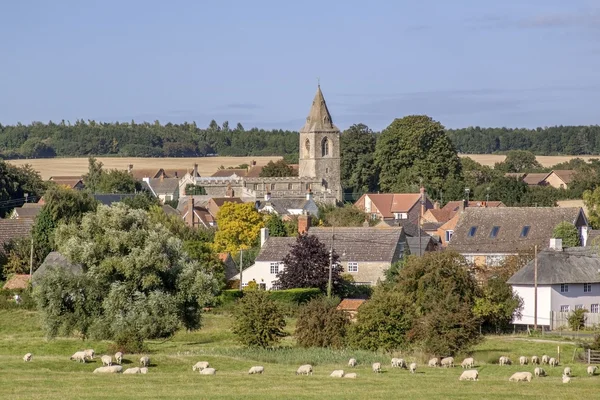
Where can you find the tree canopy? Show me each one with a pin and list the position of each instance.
(568, 233)
(359, 174)
(239, 227)
(518, 161)
(15, 182)
(276, 169)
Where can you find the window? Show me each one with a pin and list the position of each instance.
(400, 216)
(472, 231)
(255, 186)
(564, 308)
(525, 231)
(274, 268)
(374, 216)
(262, 286)
(578, 307)
(290, 187)
(594, 308)
(449, 235)
(352, 267)
(307, 147)
(325, 147)
(494, 231)
(326, 170)
(168, 197)
(587, 287)
(564, 287)
(308, 186)
(272, 186)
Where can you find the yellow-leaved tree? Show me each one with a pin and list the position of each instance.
(239, 227)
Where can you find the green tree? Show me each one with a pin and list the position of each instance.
(412, 150)
(93, 177)
(275, 225)
(116, 181)
(321, 324)
(577, 319)
(591, 199)
(358, 172)
(275, 169)
(239, 227)
(348, 215)
(142, 200)
(518, 161)
(15, 182)
(258, 320)
(497, 305)
(568, 233)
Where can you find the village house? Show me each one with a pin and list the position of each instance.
(11, 229)
(166, 189)
(286, 208)
(69, 182)
(27, 210)
(395, 206)
(560, 179)
(486, 236)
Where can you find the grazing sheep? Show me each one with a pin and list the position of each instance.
(468, 363)
(90, 353)
(523, 360)
(553, 362)
(254, 370)
(401, 363)
(376, 367)
(79, 356)
(434, 362)
(352, 362)
(469, 375)
(143, 370)
(394, 362)
(447, 362)
(145, 361)
(539, 372)
(505, 361)
(106, 360)
(114, 369)
(200, 365)
(412, 368)
(208, 371)
(566, 379)
(567, 371)
(545, 359)
(591, 370)
(27, 357)
(119, 357)
(535, 360)
(134, 370)
(338, 373)
(305, 369)
(351, 375)
(520, 377)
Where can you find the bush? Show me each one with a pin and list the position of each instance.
(297, 296)
(7, 301)
(321, 324)
(258, 321)
(577, 319)
(229, 296)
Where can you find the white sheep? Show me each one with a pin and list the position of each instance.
(352, 362)
(200, 365)
(208, 371)
(520, 377)
(79, 356)
(412, 368)
(591, 370)
(567, 371)
(469, 375)
(434, 362)
(523, 360)
(351, 375)
(566, 379)
(401, 363)
(106, 361)
(539, 372)
(505, 361)
(145, 361)
(447, 362)
(545, 359)
(535, 360)
(553, 362)
(90, 353)
(468, 363)
(134, 370)
(27, 357)
(305, 369)
(255, 370)
(394, 362)
(338, 373)
(376, 367)
(143, 370)
(114, 369)
(119, 357)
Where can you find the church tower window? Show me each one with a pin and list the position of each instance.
(325, 147)
(307, 147)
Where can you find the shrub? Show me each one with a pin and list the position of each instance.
(321, 324)
(258, 320)
(568, 233)
(577, 319)
(229, 296)
(7, 300)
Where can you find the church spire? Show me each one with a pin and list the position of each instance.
(318, 119)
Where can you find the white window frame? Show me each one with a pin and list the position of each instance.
(352, 266)
(594, 308)
(565, 308)
(400, 216)
(449, 234)
(274, 266)
(587, 288)
(564, 288)
(578, 307)
(494, 260)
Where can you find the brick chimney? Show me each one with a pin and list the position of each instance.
(303, 223)
(190, 217)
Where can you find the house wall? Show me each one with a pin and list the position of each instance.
(554, 181)
(164, 196)
(260, 272)
(368, 272)
(448, 226)
(365, 204)
(575, 296)
(526, 292)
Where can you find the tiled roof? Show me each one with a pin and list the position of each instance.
(350, 304)
(219, 201)
(275, 248)
(164, 186)
(442, 214)
(593, 238)
(177, 172)
(169, 210)
(14, 228)
(510, 221)
(566, 175)
(390, 203)
(19, 281)
(71, 183)
(534, 179)
(226, 173)
(27, 212)
(141, 173)
(455, 205)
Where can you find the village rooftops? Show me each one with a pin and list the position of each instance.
(13, 229)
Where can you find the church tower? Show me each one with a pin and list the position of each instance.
(320, 149)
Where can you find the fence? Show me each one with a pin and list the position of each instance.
(593, 357)
(560, 320)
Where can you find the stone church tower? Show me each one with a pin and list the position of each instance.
(320, 149)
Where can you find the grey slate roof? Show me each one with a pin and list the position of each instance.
(413, 244)
(573, 265)
(593, 238)
(164, 186)
(511, 221)
(282, 206)
(55, 260)
(13, 229)
(275, 248)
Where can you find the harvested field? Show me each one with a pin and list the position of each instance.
(546, 161)
(78, 166)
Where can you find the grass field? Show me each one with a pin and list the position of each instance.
(52, 376)
(546, 161)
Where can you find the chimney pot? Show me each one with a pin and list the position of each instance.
(556, 244)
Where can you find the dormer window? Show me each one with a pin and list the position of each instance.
(525, 231)
(494, 232)
(472, 231)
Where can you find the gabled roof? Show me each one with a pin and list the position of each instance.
(275, 248)
(565, 175)
(319, 118)
(350, 304)
(17, 281)
(455, 205)
(13, 229)
(572, 265)
(534, 179)
(219, 201)
(510, 221)
(163, 186)
(413, 244)
(390, 203)
(26, 212)
(170, 210)
(177, 172)
(141, 173)
(70, 183)
(226, 173)
(441, 214)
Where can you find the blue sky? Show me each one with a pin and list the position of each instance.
(465, 63)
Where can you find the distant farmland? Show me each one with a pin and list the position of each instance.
(546, 161)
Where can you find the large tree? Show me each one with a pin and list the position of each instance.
(15, 182)
(239, 227)
(415, 150)
(277, 169)
(568, 233)
(518, 161)
(358, 171)
(258, 321)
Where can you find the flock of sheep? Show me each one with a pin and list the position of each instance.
(469, 375)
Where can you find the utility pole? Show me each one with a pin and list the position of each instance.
(31, 259)
(535, 297)
(241, 265)
(330, 262)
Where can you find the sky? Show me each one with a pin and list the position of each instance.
(488, 63)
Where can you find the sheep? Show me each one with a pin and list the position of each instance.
(90, 353)
(106, 360)
(553, 362)
(447, 362)
(535, 360)
(305, 369)
(469, 375)
(401, 363)
(520, 377)
(254, 370)
(505, 361)
(352, 362)
(79, 356)
(523, 360)
(567, 371)
(351, 375)
(376, 367)
(338, 373)
(119, 357)
(200, 365)
(434, 362)
(27, 357)
(114, 369)
(394, 362)
(143, 370)
(412, 368)
(566, 379)
(591, 370)
(468, 363)
(208, 371)
(145, 361)
(134, 370)
(539, 372)
(545, 359)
